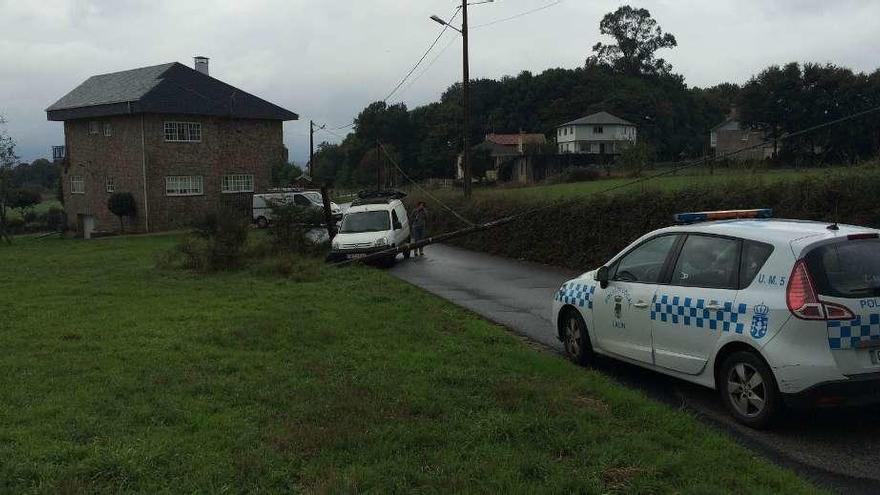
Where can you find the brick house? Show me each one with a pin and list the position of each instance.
(730, 136)
(511, 156)
(181, 142)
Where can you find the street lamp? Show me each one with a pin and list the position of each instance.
(466, 103)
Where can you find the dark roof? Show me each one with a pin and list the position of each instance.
(599, 118)
(166, 88)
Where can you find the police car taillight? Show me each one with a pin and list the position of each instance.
(804, 303)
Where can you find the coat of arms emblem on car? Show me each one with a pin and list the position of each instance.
(760, 321)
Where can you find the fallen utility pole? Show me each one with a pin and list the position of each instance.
(429, 240)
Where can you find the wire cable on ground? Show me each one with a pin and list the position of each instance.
(510, 218)
(407, 177)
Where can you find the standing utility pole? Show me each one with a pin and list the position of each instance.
(312, 129)
(466, 103)
(378, 165)
(466, 93)
(311, 145)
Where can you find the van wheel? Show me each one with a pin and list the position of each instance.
(748, 389)
(576, 338)
(262, 222)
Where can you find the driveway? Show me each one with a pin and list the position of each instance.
(836, 448)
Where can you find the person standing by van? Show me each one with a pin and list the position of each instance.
(419, 223)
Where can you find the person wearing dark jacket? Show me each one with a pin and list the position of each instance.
(419, 224)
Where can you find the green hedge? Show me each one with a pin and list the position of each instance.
(586, 232)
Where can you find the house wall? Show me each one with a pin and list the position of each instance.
(227, 147)
(95, 158)
(728, 141)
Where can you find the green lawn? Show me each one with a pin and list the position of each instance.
(43, 207)
(121, 377)
(681, 180)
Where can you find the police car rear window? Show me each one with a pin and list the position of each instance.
(847, 269)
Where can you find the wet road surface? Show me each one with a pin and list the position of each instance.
(837, 448)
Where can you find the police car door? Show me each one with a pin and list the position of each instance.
(622, 310)
(699, 304)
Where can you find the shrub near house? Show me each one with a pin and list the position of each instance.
(180, 157)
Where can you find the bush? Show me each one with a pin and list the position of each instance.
(25, 199)
(586, 232)
(122, 204)
(217, 243)
(574, 174)
(290, 226)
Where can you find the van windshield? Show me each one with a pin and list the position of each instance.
(847, 269)
(366, 221)
(315, 197)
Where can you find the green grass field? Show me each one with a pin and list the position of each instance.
(43, 207)
(680, 180)
(121, 377)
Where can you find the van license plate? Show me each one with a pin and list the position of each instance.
(357, 256)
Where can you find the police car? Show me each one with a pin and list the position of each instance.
(769, 312)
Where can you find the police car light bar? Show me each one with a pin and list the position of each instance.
(705, 216)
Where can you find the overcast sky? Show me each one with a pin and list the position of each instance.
(327, 59)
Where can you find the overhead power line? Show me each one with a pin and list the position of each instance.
(511, 218)
(424, 55)
(517, 16)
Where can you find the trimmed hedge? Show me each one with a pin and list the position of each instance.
(586, 232)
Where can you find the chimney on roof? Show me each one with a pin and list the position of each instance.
(201, 64)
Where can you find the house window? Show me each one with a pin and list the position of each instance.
(183, 132)
(107, 130)
(77, 184)
(110, 185)
(594, 148)
(597, 129)
(184, 185)
(93, 128)
(238, 183)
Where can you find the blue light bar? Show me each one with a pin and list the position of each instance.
(705, 216)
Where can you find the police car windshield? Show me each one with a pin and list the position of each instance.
(366, 221)
(847, 269)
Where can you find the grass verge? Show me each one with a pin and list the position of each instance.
(120, 377)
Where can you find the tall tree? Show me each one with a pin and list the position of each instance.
(7, 192)
(637, 38)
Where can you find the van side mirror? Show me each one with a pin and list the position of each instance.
(602, 276)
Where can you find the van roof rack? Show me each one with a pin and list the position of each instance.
(377, 197)
(705, 216)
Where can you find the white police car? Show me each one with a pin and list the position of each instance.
(769, 312)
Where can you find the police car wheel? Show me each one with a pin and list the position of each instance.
(576, 339)
(262, 222)
(748, 389)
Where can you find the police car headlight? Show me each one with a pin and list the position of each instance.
(381, 242)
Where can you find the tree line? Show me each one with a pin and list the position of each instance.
(626, 78)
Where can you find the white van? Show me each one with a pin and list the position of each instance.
(263, 203)
(374, 222)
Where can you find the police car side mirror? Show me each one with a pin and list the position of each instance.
(602, 276)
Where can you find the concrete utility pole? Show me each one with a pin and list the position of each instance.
(312, 129)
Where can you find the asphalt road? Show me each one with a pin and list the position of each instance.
(837, 448)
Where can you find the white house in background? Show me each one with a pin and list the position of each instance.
(597, 134)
